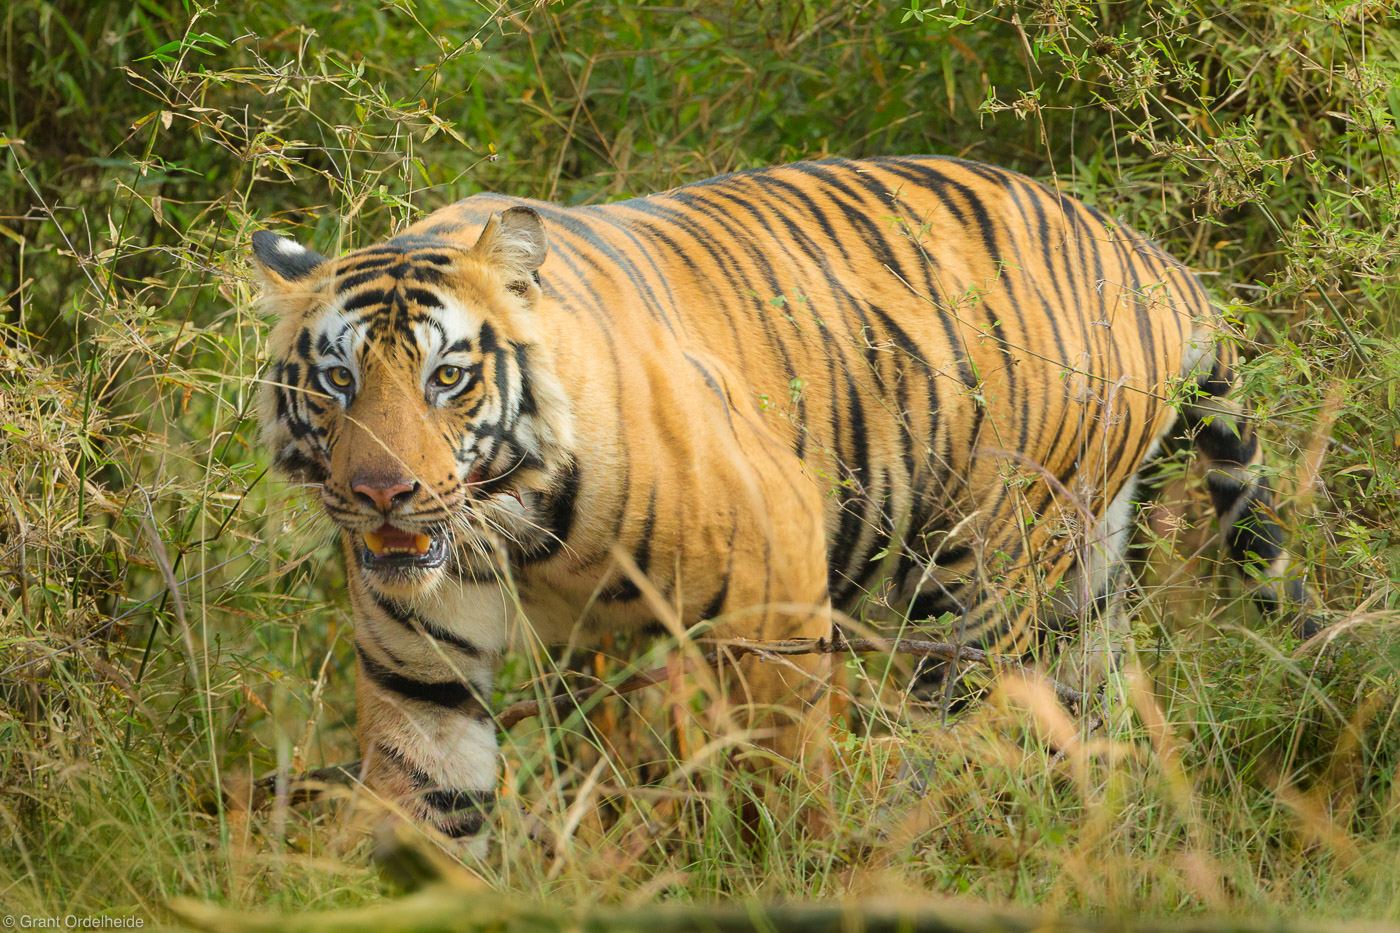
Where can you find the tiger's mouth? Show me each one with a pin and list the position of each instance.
(391, 549)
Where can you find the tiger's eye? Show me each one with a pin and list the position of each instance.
(447, 376)
(340, 376)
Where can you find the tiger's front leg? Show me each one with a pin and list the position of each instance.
(424, 678)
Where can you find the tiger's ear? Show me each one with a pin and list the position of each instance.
(514, 242)
(281, 261)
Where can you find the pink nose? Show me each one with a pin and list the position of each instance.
(385, 496)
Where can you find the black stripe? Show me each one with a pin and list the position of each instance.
(463, 810)
(357, 279)
(363, 300)
(410, 242)
(559, 508)
(1255, 537)
(422, 297)
(414, 622)
(627, 589)
(1225, 491)
(452, 802)
(448, 695)
(1220, 436)
(931, 604)
(716, 605)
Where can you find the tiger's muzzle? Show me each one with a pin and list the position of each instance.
(403, 550)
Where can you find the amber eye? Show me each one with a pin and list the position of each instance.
(340, 377)
(447, 376)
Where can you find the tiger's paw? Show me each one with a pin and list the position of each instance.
(412, 855)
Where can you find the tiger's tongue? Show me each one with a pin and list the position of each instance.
(390, 540)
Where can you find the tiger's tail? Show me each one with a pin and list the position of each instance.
(1222, 431)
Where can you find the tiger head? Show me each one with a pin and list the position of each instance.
(407, 381)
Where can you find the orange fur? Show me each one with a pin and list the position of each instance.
(880, 384)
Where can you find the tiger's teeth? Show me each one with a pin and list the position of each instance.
(374, 542)
(422, 543)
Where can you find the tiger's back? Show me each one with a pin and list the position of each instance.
(910, 330)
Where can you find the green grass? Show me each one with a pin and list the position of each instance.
(1238, 772)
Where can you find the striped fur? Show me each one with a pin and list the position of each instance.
(913, 385)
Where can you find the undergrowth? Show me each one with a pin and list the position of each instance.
(173, 619)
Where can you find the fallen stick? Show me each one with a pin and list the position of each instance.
(312, 784)
(442, 908)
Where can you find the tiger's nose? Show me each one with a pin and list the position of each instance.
(384, 494)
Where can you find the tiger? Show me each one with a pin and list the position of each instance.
(917, 386)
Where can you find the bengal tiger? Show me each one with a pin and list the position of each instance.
(913, 384)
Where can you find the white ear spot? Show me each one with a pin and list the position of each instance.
(284, 258)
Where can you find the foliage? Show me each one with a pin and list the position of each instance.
(170, 616)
